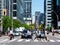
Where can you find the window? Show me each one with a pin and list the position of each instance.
(14, 1)
(49, 16)
(14, 6)
(49, 4)
(49, 19)
(49, 13)
(49, 1)
(14, 13)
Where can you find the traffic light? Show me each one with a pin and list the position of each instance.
(4, 12)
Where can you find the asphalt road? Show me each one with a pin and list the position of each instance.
(53, 40)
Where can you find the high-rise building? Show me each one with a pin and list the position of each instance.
(55, 13)
(12, 8)
(27, 11)
(17, 9)
(47, 12)
(41, 18)
(37, 14)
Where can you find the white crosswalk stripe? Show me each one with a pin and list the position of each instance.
(58, 40)
(52, 41)
(4, 40)
(35, 40)
(12, 40)
(27, 40)
(20, 40)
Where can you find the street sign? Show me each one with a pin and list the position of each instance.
(58, 23)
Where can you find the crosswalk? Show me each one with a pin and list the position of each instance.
(26, 40)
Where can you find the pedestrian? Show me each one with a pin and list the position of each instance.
(46, 34)
(29, 34)
(52, 31)
(11, 34)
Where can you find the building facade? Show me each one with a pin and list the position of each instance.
(27, 11)
(41, 18)
(47, 12)
(37, 14)
(12, 8)
(56, 13)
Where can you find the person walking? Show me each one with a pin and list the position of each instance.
(52, 31)
(11, 34)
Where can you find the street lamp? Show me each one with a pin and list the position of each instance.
(56, 16)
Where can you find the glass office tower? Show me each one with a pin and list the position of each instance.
(27, 11)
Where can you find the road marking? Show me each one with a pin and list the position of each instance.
(51, 40)
(35, 40)
(42, 40)
(4, 40)
(57, 36)
(28, 40)
(12, 40)
(20, 40)
(58, 40)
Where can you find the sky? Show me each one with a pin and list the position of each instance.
(37, 5)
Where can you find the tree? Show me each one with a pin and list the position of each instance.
(16, 23)
(48, 28)
(26, 26)
(7, 22)
(32, 26)
(41, 26)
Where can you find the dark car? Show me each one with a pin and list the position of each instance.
(25, 34)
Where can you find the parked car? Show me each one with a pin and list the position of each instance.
(16, 33)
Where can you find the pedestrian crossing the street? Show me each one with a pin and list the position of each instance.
(27, 40)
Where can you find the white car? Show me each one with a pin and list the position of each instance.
(16, 33)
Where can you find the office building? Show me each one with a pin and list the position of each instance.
(37, 14)
(12, 8)
(27, 11)
(55, 13)
(47, 12)
(41, 18)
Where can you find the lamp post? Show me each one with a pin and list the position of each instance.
(57, 17)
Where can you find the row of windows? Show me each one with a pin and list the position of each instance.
(14, 1)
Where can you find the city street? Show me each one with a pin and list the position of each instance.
(53, 40)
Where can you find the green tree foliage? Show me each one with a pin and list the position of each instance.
(26, 26)
(16, 23)
(48, 28)
(7, 22)
(41, 26)
(32, 26)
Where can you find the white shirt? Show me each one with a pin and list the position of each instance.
(28, 32)
(46, 33)
(11, 32)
